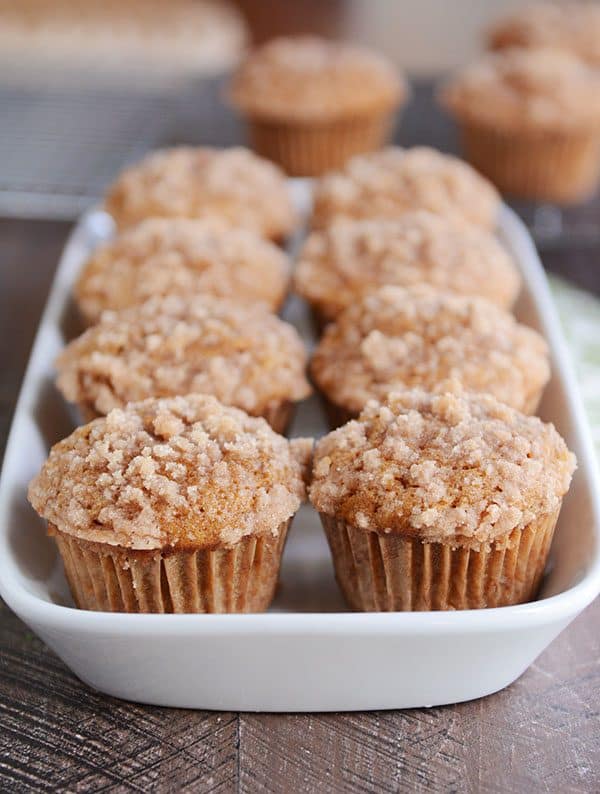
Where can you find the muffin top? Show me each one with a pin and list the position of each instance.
(178, 472)
(527, 89)
(399, 338)
(339, 265)
(234, 185)
(392, 181)
(243, 355)
(181, 256)
(306, 78)
(570, 26)
(463, 470)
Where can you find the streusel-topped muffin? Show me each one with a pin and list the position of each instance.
(530, 121)
(388, 183)
(243, 355)
(313, 103)
(418, 337)
(180, 256)
(176, 505)
(233, 185)
(443, 501)
(338, 266)
(570, 26)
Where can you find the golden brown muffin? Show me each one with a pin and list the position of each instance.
(440, 502)
(388, 183)
(232, 185)
(338, 266)
(397, 339)
(176, 505)
(570, 26)
(530, 121)
(163, 256)
(313, 103)
(242, 355)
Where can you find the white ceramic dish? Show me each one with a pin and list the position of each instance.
(308, 653)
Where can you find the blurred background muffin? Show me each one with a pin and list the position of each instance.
(340, 264)
(421, 338)
(181, 256)
(530, 121)
(145, 39)
(312, 103)
(570, 26)
(184, 344)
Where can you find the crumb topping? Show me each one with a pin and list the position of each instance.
(242, 355)
(233, 184)
(392, 181)
(571, 26)
(519, 89)
(310, 78)
(338, 266)
(181, 256)
(449, 468)
(179, 472)
(420, 338)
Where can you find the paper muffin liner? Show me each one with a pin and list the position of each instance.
(563, 167)
(319, 321)
(312, 149)
(336, 414)
(278, 414)
(391, 573)
(106, 578)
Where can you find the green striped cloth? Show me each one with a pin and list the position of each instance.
(579, 312)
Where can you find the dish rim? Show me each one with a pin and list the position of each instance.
(561, 606)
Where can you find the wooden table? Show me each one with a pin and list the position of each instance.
(541, 734)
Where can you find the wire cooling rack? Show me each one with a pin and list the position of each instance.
(61, 143)
(61, 146)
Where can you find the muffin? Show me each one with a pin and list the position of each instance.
(440, 502)
(180, 256)
(338, 266)
(388, 183)
(570, 26)
(233, 185)
(174, 345)
(530, 121)
(312, 103)
(150, 43)
(397, 339)
(175, 505)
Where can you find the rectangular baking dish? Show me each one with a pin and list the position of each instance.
(307, 653)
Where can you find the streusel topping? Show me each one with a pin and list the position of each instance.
(339, 265)
(309, 78)
(180, 256)
(448, 468)
(519, 89)
(570, 26)
(390, 182)
(420, 338)
(185, 471)
(234, 185)
(243, 355)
